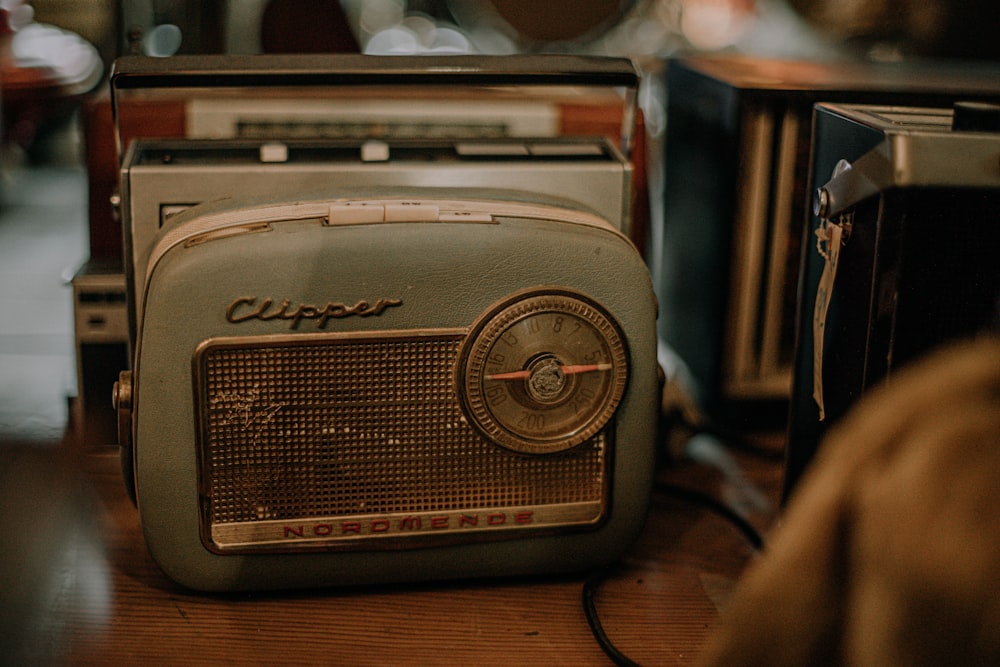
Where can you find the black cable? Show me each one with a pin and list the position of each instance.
(590, 587)
(594, 581)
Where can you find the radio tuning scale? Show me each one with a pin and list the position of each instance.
(544, 372)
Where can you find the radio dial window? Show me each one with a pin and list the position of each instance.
(544, 372)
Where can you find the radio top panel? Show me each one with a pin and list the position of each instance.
(265, 76)
(178, 153)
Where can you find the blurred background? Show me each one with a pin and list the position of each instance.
(877, 29)
(73, 42)
(57, 171)
(55, 55)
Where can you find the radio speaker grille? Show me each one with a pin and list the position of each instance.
(330, 427)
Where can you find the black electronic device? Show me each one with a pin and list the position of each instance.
(735, 201)
(903, 258)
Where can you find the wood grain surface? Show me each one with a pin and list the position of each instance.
(102, 600)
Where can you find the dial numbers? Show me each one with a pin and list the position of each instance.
(544, 373)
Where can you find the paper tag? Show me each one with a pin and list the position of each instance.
(828, 239)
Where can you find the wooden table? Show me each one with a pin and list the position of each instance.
(85, 590)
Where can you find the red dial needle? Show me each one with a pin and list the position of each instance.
(513, 375)
(566, 370)
(585, 368)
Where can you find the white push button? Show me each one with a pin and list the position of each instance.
(355, 213)
(406, 211)
(374, 151)
(273, 152)
(464, 216)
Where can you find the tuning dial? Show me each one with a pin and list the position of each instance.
(543, 372)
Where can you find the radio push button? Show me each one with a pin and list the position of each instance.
(411, 211)
(465, 216)
(374, 151)
(272, 152)
(370, 212)
(355, 213)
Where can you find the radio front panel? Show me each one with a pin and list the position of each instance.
(377, 455)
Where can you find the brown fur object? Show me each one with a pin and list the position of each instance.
(889, 553)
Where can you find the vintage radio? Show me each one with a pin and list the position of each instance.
(378, 380)
(735, 200)
(902, 260)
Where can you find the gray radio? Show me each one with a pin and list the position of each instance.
(399, 370)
